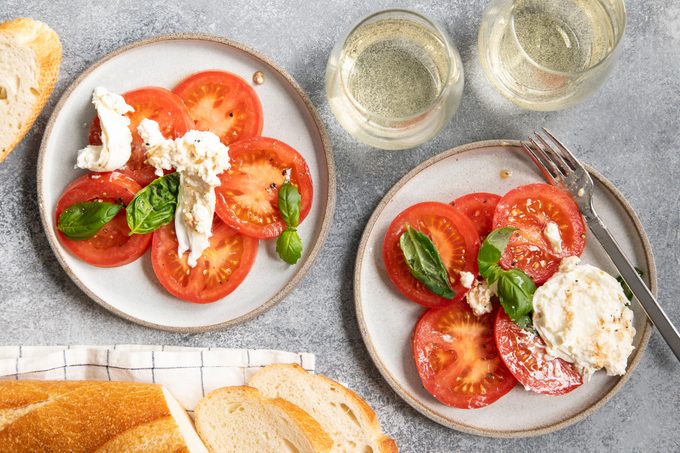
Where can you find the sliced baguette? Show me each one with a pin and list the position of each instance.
(30, 54)
(342, 413)
(240, 419)
(88, 416)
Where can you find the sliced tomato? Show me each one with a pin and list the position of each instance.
(454, 236)
(219, 271)
(248, 197)
(456, 357)
(524, 355)
(156, 104)
(222, 103)
(530, 208)
(111, 246)
(479, 207)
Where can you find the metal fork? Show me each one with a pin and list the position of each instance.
(561, 168)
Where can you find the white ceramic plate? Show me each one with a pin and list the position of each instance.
(132, 291)
(386, 318)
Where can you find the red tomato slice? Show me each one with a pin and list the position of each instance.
(156, 104)
(457, 359)
(524, 354)
(529, 208)
(248, 197)
(222, 103)
(479, 207)
(219, 271)
(111, 246)
(454, 236)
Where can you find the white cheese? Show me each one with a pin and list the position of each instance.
(467, 279)
(479, 298)
(116, 137)
(199, 157)
(552, 234)
(582, 315)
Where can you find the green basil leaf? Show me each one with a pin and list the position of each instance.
(289, 204)
(425, 263)
(516, 292)
(525, 322)
(624, 285)
(82, 220)
(515, 288)
(289, 246)
(491, 251)
(154, 205)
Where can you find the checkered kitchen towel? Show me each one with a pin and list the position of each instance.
(189, 373)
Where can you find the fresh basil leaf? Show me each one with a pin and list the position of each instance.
(515, 288)
(289, 246)
(424, 262)
(289, 243)
(289, 204)
(516, 292)
(525, 322)
(624, 285)
(153, 206)
(491, 252)
(82, 220)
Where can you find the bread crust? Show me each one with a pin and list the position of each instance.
(84, 416)
(320, 439)
(386, 444)
(45, 43)
(315, 434)
(157, 436)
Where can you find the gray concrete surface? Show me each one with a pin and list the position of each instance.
(629, 131)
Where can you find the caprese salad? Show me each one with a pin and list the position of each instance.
(162, 163)
(508, 298)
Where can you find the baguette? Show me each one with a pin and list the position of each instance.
(240, 419)
(30, 54)
(87, 416)
(349, 420)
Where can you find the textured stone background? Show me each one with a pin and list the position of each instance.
(629, 131)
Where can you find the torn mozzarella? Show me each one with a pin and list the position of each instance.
(552, 234)
(116, 137)
(199, 157)
(582, 314)
(479, 298)
(466, 279)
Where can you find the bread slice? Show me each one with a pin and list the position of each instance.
(30, 54)
(240, 419)
(87, 416)
(349, 420)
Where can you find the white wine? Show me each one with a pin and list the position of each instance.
(537, 54)
(394, 68)
(572, 37)
(395, 80)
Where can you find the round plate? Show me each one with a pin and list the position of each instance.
(387, 319)
(132, 291)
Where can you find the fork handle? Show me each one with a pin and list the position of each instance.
(636, 285)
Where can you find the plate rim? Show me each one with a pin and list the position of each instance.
(412, 400)
(330, 201)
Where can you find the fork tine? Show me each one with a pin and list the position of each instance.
(539, 161)
(566, 154)
(547, 160)
(554, 156)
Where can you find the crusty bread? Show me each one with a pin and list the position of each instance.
(87, 416)
(240, 419)
(30, 53)
(349, 420)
